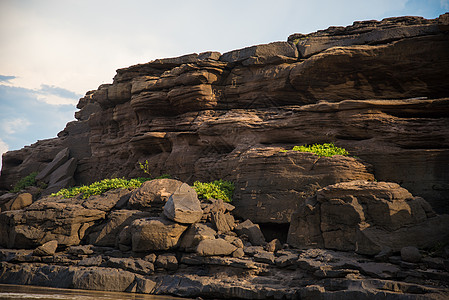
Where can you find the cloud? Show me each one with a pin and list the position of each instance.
(57, 96)
(6, 79)
(3, 148)
(26, 118)
(444, 4)
(12, 126)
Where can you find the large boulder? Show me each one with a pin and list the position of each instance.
(45, 220)
(155, 234)
(271, 184)
(183, 206)
(152, 195)
(366, 217)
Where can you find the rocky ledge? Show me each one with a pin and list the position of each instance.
(160, 239)
(369, 226)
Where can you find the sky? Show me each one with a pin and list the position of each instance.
(53, 51)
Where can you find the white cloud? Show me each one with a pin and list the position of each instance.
(12, 126)
(3, 148)
(444, 4)
(56, 100)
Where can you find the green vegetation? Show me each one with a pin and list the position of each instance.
(327, 149)
(100, 187)
(218, 189)
(26, 181)
(145, 167)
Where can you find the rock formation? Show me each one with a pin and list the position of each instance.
(98, 243)
(377, 88)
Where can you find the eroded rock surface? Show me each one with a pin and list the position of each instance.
(366, 217)
(373, 88)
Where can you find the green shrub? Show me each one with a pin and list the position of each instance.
(26, 181)
(218, 189)
(327, 149)
(100, 187)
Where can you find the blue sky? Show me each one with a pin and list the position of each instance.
(53, 51)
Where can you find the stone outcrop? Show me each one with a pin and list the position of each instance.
(376, 88)
(99, 243)
(366, 217)
(373, 88)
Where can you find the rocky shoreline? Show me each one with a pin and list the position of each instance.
(369, 225)
(176, 245)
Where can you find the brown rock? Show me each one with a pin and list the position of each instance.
(45, 220)
(209, 247)
(196, 118)
(153, 194)
(183, 206)
(362, 33)
(294, 176)
(252, 231)
(223, 222)
(46, 249)
(366, 217)
(273, 246)
(20, 202)
(195, 234)
(154, 234)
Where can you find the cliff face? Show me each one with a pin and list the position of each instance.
(377, 88)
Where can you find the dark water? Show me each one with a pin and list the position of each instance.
(10, 292)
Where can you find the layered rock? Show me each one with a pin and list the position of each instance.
(197, 116)
(366, 217)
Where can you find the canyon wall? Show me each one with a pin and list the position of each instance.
(377, 88)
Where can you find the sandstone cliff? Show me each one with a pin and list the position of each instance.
(377, 88)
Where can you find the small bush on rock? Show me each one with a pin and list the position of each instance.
(327, 149)
(218, 189)
(25, 182)
(100, 187)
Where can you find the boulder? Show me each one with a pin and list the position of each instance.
(365, 217)
(210, 247)
(155, 233)
(152, 195)
(167, 261)
(183, 206)
(273, 246)
(46, 249)
(252, 231)
(410, 254)
(107, 234)
(20, 202)
(223, 222)
(195, 234)
(45, 220)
